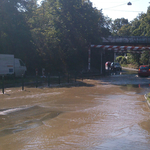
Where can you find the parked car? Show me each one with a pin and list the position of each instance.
(115, 66)
(144, 71)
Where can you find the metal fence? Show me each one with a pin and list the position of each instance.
(50, 80)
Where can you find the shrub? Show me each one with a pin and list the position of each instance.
(121, 59)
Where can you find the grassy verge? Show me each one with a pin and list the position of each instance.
(148, 97)
(130, 66)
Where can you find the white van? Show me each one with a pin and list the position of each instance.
(10, 65)
(20, 67)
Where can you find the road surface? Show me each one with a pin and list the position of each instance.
(104, 113)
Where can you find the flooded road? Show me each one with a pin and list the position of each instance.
(105, 113)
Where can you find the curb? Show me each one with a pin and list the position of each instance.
(148, 103)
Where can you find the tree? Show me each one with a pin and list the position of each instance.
(144, 59)
(15, 36)
(77, 25)
(108, 24)
(54, 35)
(117, 24)
(125, 30)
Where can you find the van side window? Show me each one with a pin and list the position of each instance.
(21, 63)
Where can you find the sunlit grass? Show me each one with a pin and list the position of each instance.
(130, 66)
(148, 97)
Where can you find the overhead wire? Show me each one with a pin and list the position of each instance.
(115, 6)
(118, 5)
(124, 10)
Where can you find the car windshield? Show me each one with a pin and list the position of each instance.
(144, 67)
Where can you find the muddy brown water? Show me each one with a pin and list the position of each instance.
(102, 113)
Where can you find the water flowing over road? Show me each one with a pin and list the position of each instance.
(104, 113)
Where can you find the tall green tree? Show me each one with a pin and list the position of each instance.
(144, 59)
(54, 35)
(76, 24)
(125, 30)
(117, 24)
(15, 36)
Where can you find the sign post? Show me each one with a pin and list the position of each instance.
(36, 70)
(89, 58)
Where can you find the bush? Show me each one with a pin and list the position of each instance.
(121, 59)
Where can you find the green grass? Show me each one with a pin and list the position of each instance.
(130, 66)
(148, 97)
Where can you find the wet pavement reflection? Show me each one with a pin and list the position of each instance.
(104, 113)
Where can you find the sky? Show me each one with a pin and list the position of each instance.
(119, 9)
